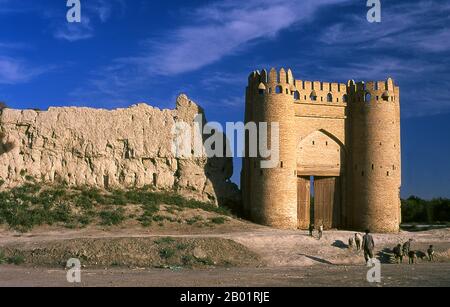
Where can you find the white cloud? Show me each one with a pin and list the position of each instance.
(411, 44)
(217, 30)
(415, 25)
(222, 29)
(13, 71)
(73, 32)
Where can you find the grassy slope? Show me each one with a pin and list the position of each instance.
(31, 205)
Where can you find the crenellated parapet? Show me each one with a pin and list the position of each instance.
(283, 82)
(272, 82)
(374, 91)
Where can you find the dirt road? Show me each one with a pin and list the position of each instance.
(429, 275)
(291, 258)
(277, 248)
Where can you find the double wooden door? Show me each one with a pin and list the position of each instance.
(326, 209)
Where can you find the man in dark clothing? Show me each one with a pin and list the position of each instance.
(430, 253)
(406, 248)
(398, 253)
(311, 229)
(412, 257)
(368, 245)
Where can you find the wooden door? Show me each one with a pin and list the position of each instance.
(327, 201)
(303, 202)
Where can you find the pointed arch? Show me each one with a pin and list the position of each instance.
(334, 138)
(321, 154)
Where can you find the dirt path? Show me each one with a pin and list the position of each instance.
(430, 275)
(277, 248)
(292, 258)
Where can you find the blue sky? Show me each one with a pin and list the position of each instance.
(128, 51)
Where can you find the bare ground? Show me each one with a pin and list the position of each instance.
(421, 275)
(290, 258)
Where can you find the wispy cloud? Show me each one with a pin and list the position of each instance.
(411, 44)
(13, 71)
(422, 25)
(104, 9)
(13, 68)
(73, 32)
(222, 29)
(214, 31)
(403, 46)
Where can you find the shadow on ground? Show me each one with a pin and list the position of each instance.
(320, 260)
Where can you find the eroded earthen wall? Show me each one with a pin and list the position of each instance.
(123, 148)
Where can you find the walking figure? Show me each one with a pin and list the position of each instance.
(358, 240)
(311, 229)
(406, 248)
(320, 231)
(368, 246)
(412, 257)
(430, 253)
(398, 253)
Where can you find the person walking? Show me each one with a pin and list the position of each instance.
(358, 240)
(320, 231)
(406, 248)
(398, 254)
(311, 229)
(430, 253)
(368, 246)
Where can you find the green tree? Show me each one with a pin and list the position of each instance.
(417, 210)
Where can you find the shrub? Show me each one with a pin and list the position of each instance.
(112, 217)
(165, 240)
(29, 178)
(194, 220)
(62, 213)
(16, 260)
(2, 257)
(84, 220)
(182, 246)
(166, 253)
(145, 220)
(218, 220)
(158, 218)
(188, 259)
(205, 261)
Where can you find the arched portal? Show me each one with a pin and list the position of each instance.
(320, 165)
